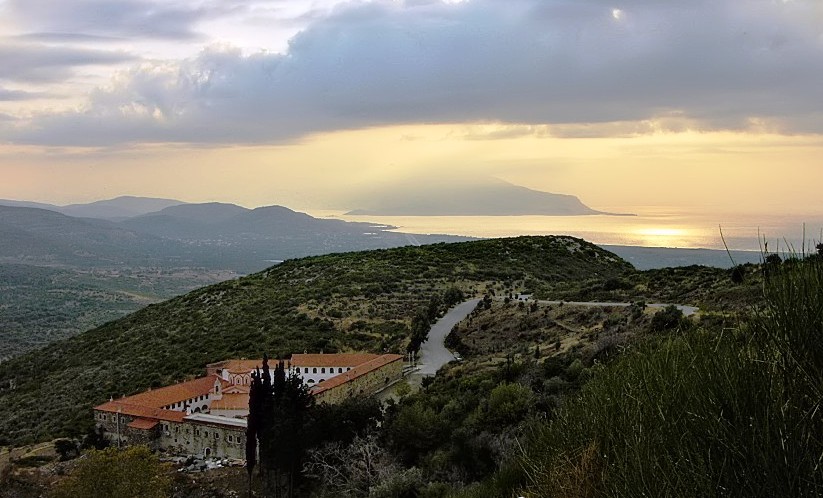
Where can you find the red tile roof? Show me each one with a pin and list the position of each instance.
(132, 410)
(239, 401)
(362, 369)
(235, 388)
(175, 393)
(332, 360)
(143, 424)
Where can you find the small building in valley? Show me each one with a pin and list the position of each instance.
(207, 416)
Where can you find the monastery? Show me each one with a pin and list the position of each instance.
(207, 416)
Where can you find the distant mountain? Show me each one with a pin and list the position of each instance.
(473, 197)
(100, 269)
(232, 223)
(29, 204)
(115, 209)
(271, 233)
(119, 208)
(40, 236)
(212, 235)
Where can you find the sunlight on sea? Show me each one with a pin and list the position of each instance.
(652, 227)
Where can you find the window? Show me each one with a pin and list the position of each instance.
(322, 370)
(348, 368)
(197, 432)
(340, 370)
(206, 433)
(216, 436)
(314, 370)
(230, 439)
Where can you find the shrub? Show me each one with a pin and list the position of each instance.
(133, 472)
(668, 318)
(700, 415)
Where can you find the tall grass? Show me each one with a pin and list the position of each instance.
(700, 414)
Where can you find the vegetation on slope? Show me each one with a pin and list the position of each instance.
(330, 303)
(39, 305)
(730, 412)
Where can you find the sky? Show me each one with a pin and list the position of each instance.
(714, 105)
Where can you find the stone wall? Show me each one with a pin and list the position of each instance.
(189, 438)
(364, 385)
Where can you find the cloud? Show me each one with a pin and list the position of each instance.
(574, 66)
(7, 95)
(172, 20)
(36, 63)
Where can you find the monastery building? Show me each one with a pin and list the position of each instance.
(207, 416)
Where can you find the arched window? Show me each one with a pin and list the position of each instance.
(314, 370)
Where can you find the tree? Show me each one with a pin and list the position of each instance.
(668, 318)
(279, 410)
(738, 274)
(508, 404)
(131, 472)
(351, 469)
(452, 296)
(414, 430)
(67, 449)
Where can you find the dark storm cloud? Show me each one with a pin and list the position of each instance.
(713, 64)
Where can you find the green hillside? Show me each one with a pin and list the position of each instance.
(346, 301)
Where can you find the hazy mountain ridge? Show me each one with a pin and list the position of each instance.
(218, 236)
(471, 197)
(104, 269)
(116, 209)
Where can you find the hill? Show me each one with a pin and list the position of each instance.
(39, 236)
(338, 302)
(41, 304)
(101, 270)
(214, 236)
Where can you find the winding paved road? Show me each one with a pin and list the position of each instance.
(433, 353)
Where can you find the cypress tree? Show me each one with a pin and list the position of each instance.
(279, 412)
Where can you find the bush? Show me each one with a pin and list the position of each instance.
(700, 415)
(668, 318)
(508, 405)
(133, 472)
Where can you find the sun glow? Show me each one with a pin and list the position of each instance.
(663, 232)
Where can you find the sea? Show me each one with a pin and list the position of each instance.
(649, 227)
